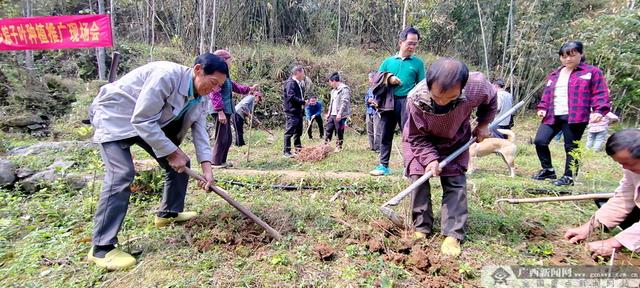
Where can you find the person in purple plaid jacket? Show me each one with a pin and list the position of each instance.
(571, 93)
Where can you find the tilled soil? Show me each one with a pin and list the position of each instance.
(208, 230)
(324, 252)
(421, 257)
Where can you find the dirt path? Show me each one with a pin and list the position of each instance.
(292, 175)
(288, 175)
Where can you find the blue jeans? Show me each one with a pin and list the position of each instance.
(596, 139)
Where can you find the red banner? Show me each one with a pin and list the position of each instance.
(55, 32)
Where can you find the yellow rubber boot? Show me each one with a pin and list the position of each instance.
(182, 217)
(116, 259)
(451, 247)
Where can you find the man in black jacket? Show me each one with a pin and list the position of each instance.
(293, 109)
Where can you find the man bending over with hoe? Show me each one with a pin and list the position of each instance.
(621, 210)
(153, 106)
(439, 109)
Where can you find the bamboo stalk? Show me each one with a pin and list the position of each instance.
(338, 34)
(212, 39)
(484, 41)
(506, 40)
(404, 15)
(203, 23)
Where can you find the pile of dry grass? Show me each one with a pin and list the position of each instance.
(314, 154)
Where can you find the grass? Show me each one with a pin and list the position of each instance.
(44, 236)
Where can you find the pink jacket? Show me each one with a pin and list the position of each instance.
(617, 208)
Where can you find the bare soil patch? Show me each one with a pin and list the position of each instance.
(421, 257)
(232, 230)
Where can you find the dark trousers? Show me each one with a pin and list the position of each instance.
(119, 174)
(334, 125)
(223, 142)
(317, 119)
(373, 131)
(388, 122)
(632, 218)
(293, 129)
(454, 210)
(571, 132)
(238, 124)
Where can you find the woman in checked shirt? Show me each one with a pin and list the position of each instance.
(572, 92)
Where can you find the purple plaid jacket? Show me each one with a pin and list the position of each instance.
(216, 95)
(587, 90)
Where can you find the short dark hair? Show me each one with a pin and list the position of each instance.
(211, 63)
(313, 97)
(447, 72)
(297, 68)
(335, 76)
(499, 83)
(626, 139)
(570, 47)
(409, 30)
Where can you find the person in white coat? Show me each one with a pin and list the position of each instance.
(153, 107)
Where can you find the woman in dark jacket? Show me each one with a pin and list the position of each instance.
(572, 93)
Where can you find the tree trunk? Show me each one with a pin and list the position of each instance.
(203, 24)
(506, 41)
(113, 23)
(484, 41)
(212, 40)
(404, 14)
(274, 21)
(338, 34)
(152, 28)
(100, 54)
(28, 54)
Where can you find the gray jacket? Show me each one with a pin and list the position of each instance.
(344, 99)
(145, 100)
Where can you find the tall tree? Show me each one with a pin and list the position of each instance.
(273, 9)
(203, 24)
(100, 54)
(27, 10)
(338, 34)
(212, 40)
(404, 14)
(153, 30)
(484, 40)
(113, 23)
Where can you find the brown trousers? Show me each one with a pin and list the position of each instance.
(454, 211)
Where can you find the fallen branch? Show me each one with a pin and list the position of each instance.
(335, 196)
(559, 198)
